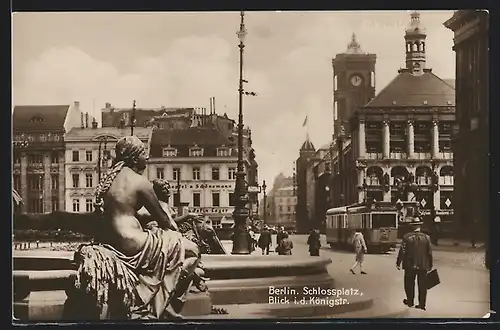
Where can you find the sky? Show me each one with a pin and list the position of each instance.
(184, 59)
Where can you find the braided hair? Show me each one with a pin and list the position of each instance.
(128, 149)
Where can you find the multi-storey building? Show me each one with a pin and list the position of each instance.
(471, 139)
(318, 187)
(285, 203)
(280, 181)
(38, 154)
(200, 165)
(401, 139)
(184, 118)
(89, 153)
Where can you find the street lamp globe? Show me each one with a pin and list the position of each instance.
(327, 188)
(241, 33)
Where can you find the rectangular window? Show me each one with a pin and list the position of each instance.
(17, 182)
(215, 173)
(76, 180)
(35, 181)
(215, 199)
(196, 173)
(54, 181)
(36, 205)
(231, 173)
(89, 205)
(176, 174)
(88, 180)
(177, 200)
(54, 157)
(88, 156)
(281, 208)
(76, 205)
(160, 173)
(55, 203)
(196, 199)
(35, 159)
(76, 155)
(232, 200)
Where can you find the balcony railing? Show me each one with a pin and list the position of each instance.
(446, 180)
(372, 181)
(422, 155)
(373, 155)
(423, 181)
(397, 155)
(445, 155)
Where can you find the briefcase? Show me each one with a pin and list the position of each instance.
(432, 279)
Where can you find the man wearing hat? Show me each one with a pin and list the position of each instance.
(265, 240)
(415, 254)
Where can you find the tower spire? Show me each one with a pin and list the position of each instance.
(354, 47)
(415, 35)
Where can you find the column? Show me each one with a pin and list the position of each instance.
(62, 181)
(435, 139)
(361, 192)
(411, 139)
(387, 195)
(24, 182)
(386, 140)
(437, 200)
(411, 194)
(47, 191)
(362, 139)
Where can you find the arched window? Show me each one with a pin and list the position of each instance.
(423, 175)
(399, 174)
(446, 175)
(374, 176)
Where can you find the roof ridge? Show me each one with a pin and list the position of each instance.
(383, 89)
(435, 75)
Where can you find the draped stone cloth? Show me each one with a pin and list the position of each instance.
(142, 286)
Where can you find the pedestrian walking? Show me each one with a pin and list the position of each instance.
(314, 243)
(252, 238)
(358, 241)
(280, 235)
(415, 254)
(285, 246)
(264, 241)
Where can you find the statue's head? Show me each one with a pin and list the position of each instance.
(162, 189)
(132, 152)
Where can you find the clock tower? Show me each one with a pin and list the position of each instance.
(353, 83)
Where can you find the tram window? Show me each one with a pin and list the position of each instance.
(384, 220)
(366, 221)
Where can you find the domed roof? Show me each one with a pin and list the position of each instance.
(415, 27)
(307, 145)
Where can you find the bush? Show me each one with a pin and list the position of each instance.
(48, 235)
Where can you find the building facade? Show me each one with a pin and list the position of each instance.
(89, 154)
(471, 133)
(285, 203)
(318, 187)
(304, 212)
(398, 146)
(200, 165)
(38, 154)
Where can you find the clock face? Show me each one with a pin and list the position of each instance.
(356, 80)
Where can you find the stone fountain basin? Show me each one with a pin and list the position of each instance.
(40, 279)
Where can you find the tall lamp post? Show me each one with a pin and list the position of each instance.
(241, 212)
(132, 120)
(265, 199)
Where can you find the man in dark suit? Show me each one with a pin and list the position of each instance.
(265, 240)
(416, 255)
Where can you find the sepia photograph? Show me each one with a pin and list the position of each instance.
(232, 165)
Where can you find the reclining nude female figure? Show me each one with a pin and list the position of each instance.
(132, 272)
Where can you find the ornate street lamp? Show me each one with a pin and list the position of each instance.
(241, 239)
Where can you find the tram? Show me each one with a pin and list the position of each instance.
(378, 222)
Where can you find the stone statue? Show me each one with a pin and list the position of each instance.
(131, 270)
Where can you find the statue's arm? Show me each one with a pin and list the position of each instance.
(148, 198)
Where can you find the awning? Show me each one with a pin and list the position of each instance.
(16, 197)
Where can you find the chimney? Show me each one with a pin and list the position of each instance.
(213, 105)
(77, 105)
(86, 120)
(211, 99)
(82, 124)
(108, 105)
(94, 123)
